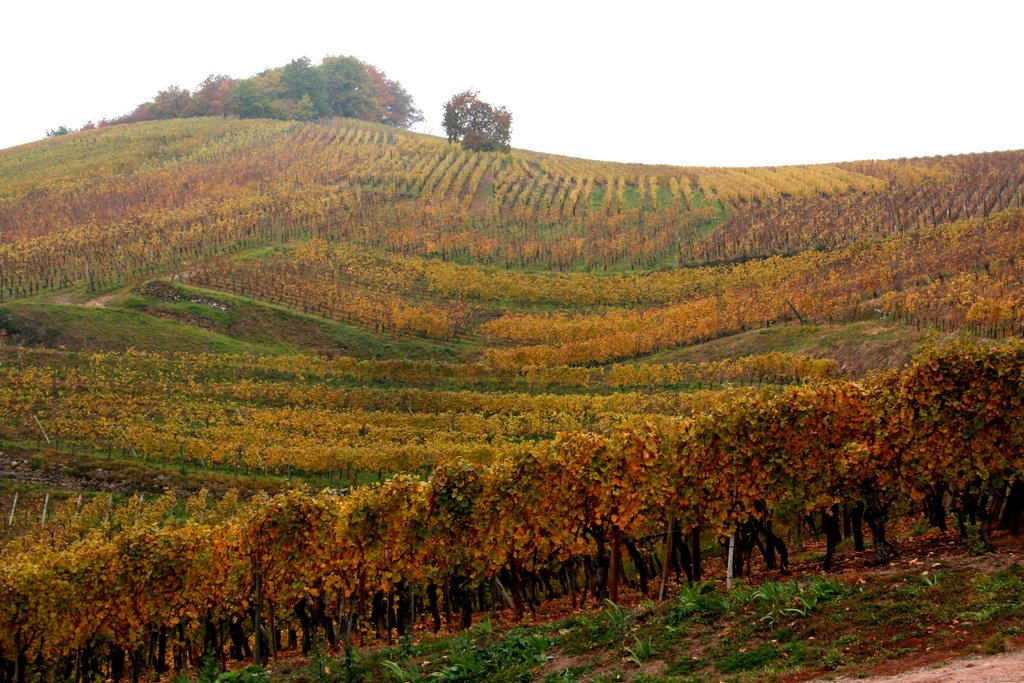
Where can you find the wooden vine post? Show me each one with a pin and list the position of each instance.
(729, 568)
(14, 506)
(614, 569)
(257, 626)
(668, 558)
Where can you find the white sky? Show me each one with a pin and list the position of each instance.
(689, 83)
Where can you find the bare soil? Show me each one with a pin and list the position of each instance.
(479, 203)
(1005, 668)
(100, 301)
(49, 470)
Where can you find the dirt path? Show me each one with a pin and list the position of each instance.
(86, 475)
(1008, 668)
(100, 301)
(64, 299)
(47, 470)
(479, 203)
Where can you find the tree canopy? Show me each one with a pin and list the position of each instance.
(299, 90)
(478, 125)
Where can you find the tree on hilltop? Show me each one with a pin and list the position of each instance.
(210, 96)
(249, 100)
(171, 103)
(478, 125)
(304, 84)
(394, 105)
(299, 90)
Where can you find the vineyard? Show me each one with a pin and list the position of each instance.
(114, 203)
(303, 415)
(424, 382)
(225, 576)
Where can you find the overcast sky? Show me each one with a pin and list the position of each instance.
(702, 83)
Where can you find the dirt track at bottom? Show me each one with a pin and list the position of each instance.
(1007, 668)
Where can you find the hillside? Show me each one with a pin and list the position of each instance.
(511, 255)
(518, 382)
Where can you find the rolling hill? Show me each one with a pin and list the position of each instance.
(515, 378)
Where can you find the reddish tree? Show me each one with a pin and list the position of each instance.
(395, 105)
(478, 125)
(210, 95)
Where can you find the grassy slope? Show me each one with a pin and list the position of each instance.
(80, 328)
(935, 602)
(197, 323)
(202, 321)
(862, 622)
(279, 329)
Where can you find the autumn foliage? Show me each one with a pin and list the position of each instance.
(478, 125)
(432, 240)
(543, 456)
(338, 86)
(110, 580)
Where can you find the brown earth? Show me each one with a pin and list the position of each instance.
(99, 302)
(1005, 668)
(49, 470)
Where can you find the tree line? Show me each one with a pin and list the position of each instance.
(300, 91)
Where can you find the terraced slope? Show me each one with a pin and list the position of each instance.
(518, 259)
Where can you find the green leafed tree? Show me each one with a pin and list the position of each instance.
(249, 100)
(350, 90)
(304, 84)
(171, 103)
